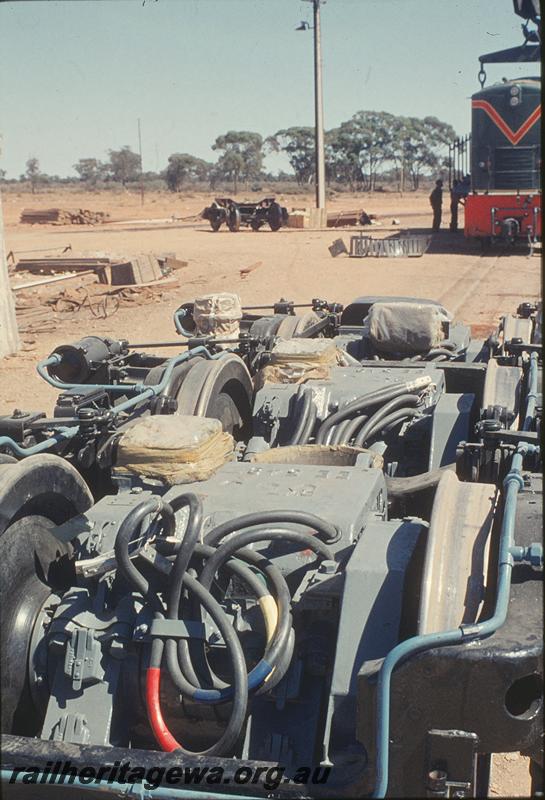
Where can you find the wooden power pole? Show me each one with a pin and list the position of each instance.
(9, 335)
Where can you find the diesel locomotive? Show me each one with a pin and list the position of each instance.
(505, 199)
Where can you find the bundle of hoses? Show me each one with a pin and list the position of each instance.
(386, 408)
(184, 663)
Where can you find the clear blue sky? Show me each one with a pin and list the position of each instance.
(75, 76)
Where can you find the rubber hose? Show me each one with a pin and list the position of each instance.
(304, 400)
(353, 427)
(326, 532)
(239, 694)
(439, 351)
(309, 424)
(384, 411)
(359, 404)
(132, 523)
(183, 556)
(394, 419)
(340, 432)
(242, 539)
(281, 634)
(399, 487)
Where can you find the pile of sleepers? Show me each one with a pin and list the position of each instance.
(60, 216)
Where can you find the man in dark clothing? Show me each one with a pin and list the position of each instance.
(455, 198)
(436, 202)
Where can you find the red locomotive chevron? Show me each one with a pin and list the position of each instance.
(513, 136)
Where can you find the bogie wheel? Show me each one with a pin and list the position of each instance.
(33, 566)
(233, 219)
(275, 216)
(42, 485)
(220, 389)
(216, 223)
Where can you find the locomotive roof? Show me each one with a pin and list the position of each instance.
(532, 83)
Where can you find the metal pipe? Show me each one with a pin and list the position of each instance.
(464, 633)
(123, 388)
(143, 393)
(61, 435)
(319, 109)
(531, 397)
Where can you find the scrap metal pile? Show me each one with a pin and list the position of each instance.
(311, 538)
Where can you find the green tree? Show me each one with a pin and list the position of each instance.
(298, 144)
(359, 146)
(184, 168)
(419, 146)
(90, 170)
(241, 158)
(32, 173)
(124, 165)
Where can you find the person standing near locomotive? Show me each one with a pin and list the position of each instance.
(436, 202)
(455, 197)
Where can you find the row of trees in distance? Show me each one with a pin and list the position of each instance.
(371, 146)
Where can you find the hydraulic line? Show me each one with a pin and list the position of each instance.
(325, 531)
(384, 411)
(239, 690)
(310, 421)
(531, 397)
(266, 665)
(401, 487)
(142, 391)
(371, 399)
(339, 432)
(352, 427)
(131, 524)
(183, 675)
(302, 405)
(390, 422)
(239, 693)
(464, 633)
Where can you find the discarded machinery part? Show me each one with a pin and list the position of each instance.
(456, 567)
(402, 246)
(233, 218)
(275, 217)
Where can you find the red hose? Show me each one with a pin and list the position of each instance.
(163, 736)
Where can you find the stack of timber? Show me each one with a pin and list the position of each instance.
(60, 216)
(51, 266)
(340, 219)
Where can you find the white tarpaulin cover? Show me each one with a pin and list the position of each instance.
(175, 448)
(406, 327)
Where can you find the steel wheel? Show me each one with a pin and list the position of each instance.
(33, 563)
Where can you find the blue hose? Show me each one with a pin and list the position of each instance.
(143, 392)
(531, 396)
(178, 317)
(512, 485)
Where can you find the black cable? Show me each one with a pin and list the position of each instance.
(384, 411)
(127, 529)
(192, 653)
(231, 734)
(386, 425)
(353, 427)
(359, 404)
(302, 406)
(327, 532)
(183, 556)
(309, 424)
